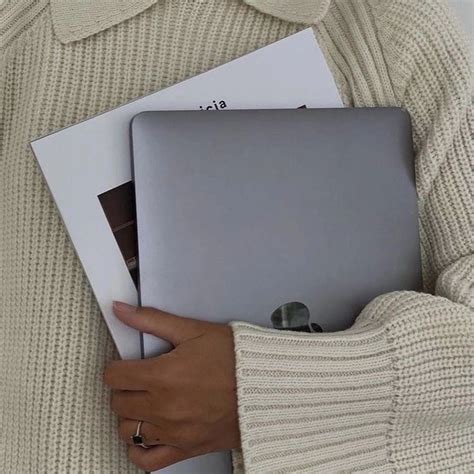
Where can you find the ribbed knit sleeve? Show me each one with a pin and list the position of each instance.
(396, 391)
(393, 392)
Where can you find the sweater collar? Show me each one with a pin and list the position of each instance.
(74, 20)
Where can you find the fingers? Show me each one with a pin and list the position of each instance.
(157, 457)
(129, 374)
(150, 433)
(132, 405)
(174, 329)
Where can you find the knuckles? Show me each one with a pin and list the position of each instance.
(109, 375)
(124, 433)
(115, 403)
(113, 372)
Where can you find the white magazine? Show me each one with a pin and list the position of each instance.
(88, 165)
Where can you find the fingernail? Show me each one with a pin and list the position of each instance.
(123, 308)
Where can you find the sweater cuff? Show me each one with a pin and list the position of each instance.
(306, 398)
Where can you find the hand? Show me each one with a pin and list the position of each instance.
(186, 398)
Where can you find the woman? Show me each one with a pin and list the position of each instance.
(395, 392)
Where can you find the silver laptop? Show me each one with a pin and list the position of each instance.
(293, 219)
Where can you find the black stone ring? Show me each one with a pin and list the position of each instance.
(137, 438)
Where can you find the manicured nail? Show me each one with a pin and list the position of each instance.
(123, 308)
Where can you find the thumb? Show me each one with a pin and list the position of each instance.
(170, 327)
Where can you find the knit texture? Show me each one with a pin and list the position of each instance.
(393, 393)
(304, 11)
(75, 19)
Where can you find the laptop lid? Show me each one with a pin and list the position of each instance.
(241, 212)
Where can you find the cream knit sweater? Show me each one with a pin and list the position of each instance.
(393, 393)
